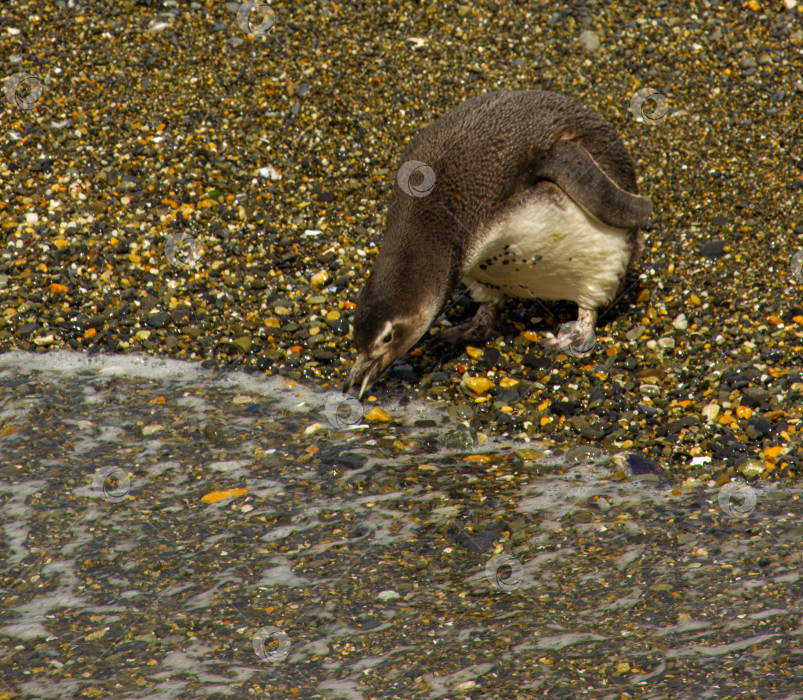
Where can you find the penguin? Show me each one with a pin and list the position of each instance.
(522, 193)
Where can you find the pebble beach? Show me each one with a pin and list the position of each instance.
(191, 196)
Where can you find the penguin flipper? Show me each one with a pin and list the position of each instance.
(574, 170)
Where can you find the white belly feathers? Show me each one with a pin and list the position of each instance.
(548, 248)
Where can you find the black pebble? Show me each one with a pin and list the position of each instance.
(340, 327)
(761, 424)
(638, 464)
(158, 320)
(490, 356)
(26, 329)
(477, 542)
(507, 395)
(713, 249)
(564, 408)
(351, 460)
(180, 315)
(535, 362)
(404, 372)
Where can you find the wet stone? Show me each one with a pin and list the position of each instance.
(491, 356)
(713, 249)
(564, 408)
(535, 361)
(340, 327)
(27, 329)
(158, 320)
(212, 431)
(593, 432)
(404, 372)
(242, 343)
(460, 412)
(638, 465)
(758, 426)
(461, 438)
(635, 333)
(478, 542)
(583, 454)
(755, 396)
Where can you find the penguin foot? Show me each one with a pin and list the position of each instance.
(576, 338)
(479, 328)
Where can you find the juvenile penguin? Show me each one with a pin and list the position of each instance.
(515, 193)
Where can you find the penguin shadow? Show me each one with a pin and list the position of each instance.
(515, 314)
(519, 312)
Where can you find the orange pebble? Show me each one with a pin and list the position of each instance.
(215, 496)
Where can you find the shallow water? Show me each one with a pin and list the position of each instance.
(353, 559)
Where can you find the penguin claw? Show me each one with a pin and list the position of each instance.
(478, 329)
(572, 339)
(461, 333)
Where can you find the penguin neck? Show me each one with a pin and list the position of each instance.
(420, 273)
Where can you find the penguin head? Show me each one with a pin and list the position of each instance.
(381, 336)
(411, 278)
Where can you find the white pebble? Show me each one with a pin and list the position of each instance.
(711, 411)
(681, 322)
(270, 173)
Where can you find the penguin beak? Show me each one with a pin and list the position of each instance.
(369, 368)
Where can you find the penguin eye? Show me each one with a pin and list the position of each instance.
(387, 337)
